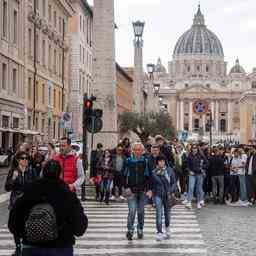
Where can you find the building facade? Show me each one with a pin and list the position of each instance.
(197, 88)
(46, 84)
(81, 49)
(12, 70)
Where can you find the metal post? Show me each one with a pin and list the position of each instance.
(84, 149)
(93, 123)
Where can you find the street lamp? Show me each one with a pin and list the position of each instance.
(150, 69)
(156, 88)
(138, 28)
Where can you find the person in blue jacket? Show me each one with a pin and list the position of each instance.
(163, 185)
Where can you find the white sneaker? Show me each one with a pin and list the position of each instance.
(112, 198)
(167, 233)
(122, 198)
(185, 201)
(160, 237)
(188, 205)
(202, 203)
(199, 206)
(245, 203)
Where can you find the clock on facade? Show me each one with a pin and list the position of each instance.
(200, 107)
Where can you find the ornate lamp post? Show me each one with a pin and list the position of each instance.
(138, 28)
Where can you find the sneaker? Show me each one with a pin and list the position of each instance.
(160, 237)
(167, 234)
(185, 201)
(122, 198)
(245, 203)
(202, 203)
(199, 206)
(112, 198)
(140, 234)
(188, 205)
(129, 235)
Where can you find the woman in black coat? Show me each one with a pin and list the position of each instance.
(70, 218)
(18, 177)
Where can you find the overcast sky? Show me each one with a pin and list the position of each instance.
(233, 21)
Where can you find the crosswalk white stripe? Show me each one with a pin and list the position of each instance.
(138, 250)
(146, 230)
(4, 197)
(126, 251)
(105, 225)
(147, 221)
(95, 215)
(122, 242)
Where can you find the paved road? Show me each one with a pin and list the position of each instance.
(106, 234)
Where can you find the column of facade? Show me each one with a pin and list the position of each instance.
(182, 115)
(178, 116)
(230, 116)
(190, 116)
(213, 118)
(204, 122)
(217, 116)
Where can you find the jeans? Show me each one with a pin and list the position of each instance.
(218, 180)
(136, 203)
(106, 185)
(251, 186)
(242, 183)
(34, 251)
(160, 206)
(196, 180)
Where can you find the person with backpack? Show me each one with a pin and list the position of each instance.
(163, 185)
(48, 216)
(18, 177)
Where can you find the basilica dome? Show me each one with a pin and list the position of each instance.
(198, 40)
(237, 69)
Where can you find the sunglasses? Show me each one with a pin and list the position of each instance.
(23, 158)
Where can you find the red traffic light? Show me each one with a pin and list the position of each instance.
(88, 104)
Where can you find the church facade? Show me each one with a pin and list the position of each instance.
(198, 90)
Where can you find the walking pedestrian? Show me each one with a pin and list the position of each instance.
(72, 166)
(163, 184)
(136, 186)
(17, 179)
(48, 216)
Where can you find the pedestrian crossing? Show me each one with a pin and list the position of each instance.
(106, 233)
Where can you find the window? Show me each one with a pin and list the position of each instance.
(60, 107)
(207, 69)
(50, 13)
(5, 18)
(54, 98)
(80, 23)
(54, 129)
(49, 57)
(188, 68)
(208, 85)
(60, 25)
(37, 90)
(186, 85)
(29, 122)
(55, 18)
(43, 52)
(14, 80)
(60, 64)
(4, 76)
(196, 124)
(44, 7)
(55, 61)
(5, 121)
(15, 123)
(254, 85)
(43, 93)
(29, 88)
(223, 125)
(30, 42)
(15, 28)
(37, 48)
(198, 68)
(42, 125)
(36, 123)
(49, 95)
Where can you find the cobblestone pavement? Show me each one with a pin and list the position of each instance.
(228, 230)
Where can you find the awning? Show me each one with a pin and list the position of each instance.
(29, 132)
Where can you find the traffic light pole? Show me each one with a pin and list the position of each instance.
(93, 123)
(84, 149)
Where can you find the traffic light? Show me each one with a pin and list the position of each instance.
(92, 117)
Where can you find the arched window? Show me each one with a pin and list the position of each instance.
(207, 69)
(196, 124)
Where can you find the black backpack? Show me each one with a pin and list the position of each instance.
(41, 224)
